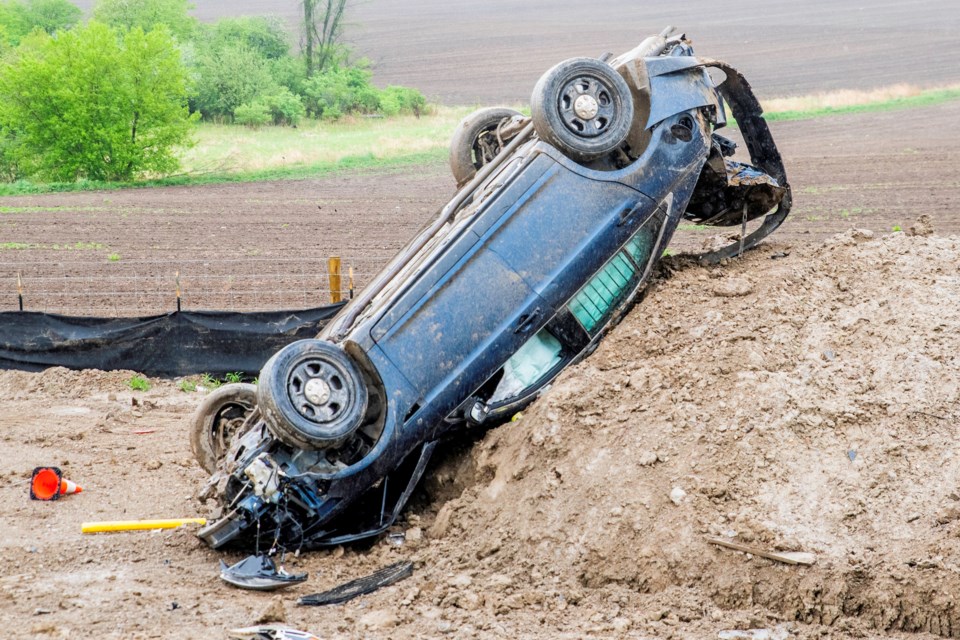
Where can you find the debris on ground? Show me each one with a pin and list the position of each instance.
(786, 557)
(259, 573)
(361, 586)
(270, 632)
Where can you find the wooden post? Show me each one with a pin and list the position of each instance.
(351, 281)
(20, 290)
(333, 272)
(178, 289)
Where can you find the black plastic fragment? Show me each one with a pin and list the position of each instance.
(361, 586)
(258, 573)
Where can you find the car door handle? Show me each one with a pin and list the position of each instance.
(527, 320)
(628, 212)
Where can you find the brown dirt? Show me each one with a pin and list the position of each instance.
(802, 403)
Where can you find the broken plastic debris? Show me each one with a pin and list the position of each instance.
(755, 634)
(350, 590)
(258, 573)
(270, 632)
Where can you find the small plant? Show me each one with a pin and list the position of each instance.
(187, 386)
(234, 377)
(897, 228)
(138, 383)
(209, 382)
(114, 257)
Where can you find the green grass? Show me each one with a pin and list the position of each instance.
(76, 246)
(927, 98)
(138, 383)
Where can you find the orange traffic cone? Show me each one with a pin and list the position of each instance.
(48, 484)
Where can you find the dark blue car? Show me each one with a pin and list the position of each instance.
(559, 221)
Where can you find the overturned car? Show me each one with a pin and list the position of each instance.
(558, 221)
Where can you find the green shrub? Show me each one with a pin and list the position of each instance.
(267, 35)
(94, 103)
(340, 91)
(285, 108)
(138, 383)
(255, 114)
(397, 100)
(228, 78)
(148, 14)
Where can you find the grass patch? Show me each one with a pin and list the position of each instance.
(369, 161)
(138, 383)
(77, 246)
(842, 102)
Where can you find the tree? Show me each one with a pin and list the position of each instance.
(266, 35)
(229, 77)
(147, 14)
(18, 18)
(94, 102)
(322, 28)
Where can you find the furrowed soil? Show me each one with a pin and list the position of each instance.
(805, 402)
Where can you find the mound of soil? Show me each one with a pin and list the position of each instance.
(799, 399)
(805, 402)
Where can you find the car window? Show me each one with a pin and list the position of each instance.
(528, 365)
(605, 290)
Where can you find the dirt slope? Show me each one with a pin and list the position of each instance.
(801, 403)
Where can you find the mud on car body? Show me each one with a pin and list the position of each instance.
(556, 226)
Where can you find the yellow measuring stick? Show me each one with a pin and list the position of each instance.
(137, 525)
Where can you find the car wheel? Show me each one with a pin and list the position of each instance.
(582, 107)
(311, 395)
(475, 141)
(217, 420)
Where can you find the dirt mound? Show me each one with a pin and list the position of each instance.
(799, 399)
(800, 402)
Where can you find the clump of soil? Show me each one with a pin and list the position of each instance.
(798, 399)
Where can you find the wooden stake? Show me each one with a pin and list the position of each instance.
(333, 272)
(786, 557)
(351, 281)
(178, 289)
(20, 290)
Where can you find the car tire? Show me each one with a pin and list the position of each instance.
(217, 420)
(311, 395)
(475, 143)
(583, 107)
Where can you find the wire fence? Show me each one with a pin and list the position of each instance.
(148, 287)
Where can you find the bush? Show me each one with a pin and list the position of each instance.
(285, 108)
(397, 100)
(253, 115)
(94, 103)
(267, 35)
(341, 91)
(148, 14)
(230, 77)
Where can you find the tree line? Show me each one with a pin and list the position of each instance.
(113, 98)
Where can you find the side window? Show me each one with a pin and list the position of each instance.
(527, 366)
(605, 290)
